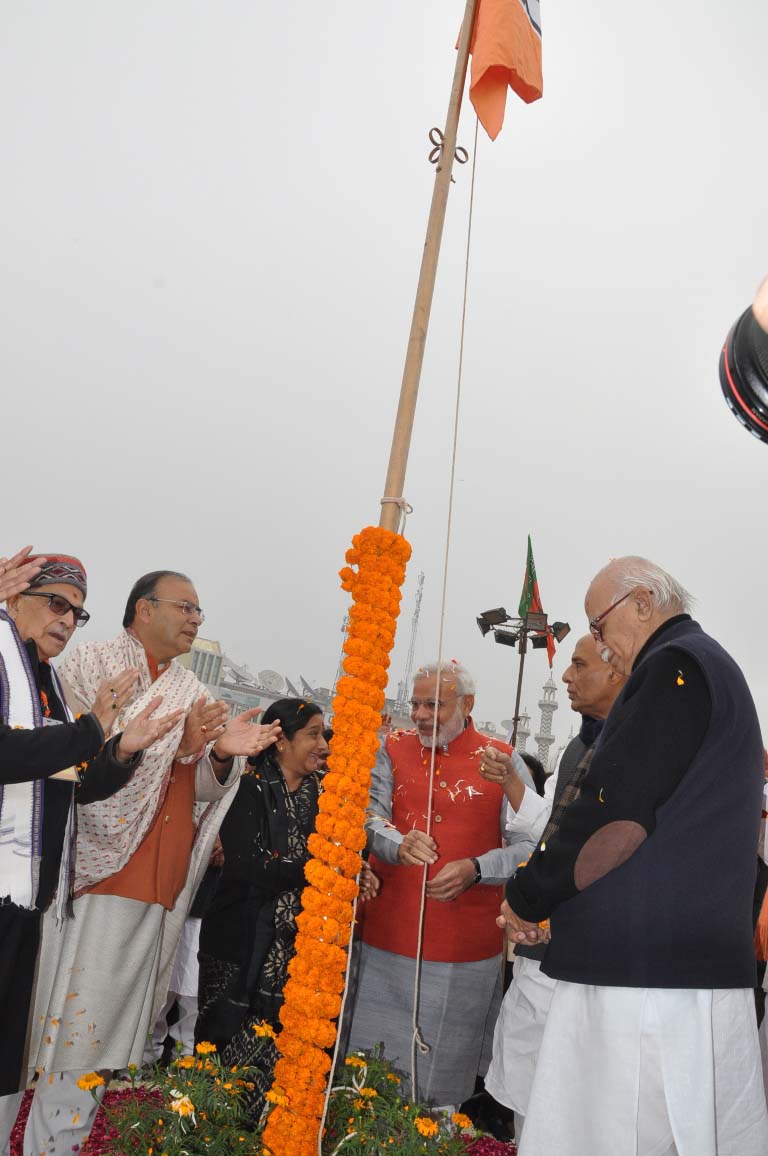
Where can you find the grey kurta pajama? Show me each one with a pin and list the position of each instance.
(458, 1002)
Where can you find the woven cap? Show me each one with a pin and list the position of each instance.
(61, 568)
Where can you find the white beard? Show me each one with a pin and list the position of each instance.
(449, 731)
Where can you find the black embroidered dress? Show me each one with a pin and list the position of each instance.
(248, 934)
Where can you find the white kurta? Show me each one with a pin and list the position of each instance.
(648, 1072)
(518, 1035)
(520, 1026)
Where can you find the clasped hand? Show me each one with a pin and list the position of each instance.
(418, 849)
(517, 930)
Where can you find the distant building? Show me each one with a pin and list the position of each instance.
(204, 660)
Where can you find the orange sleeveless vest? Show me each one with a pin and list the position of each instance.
(466, 812)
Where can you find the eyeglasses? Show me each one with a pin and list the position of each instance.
(431, 704)
(594, 623)
(187, 608)
(61, 606)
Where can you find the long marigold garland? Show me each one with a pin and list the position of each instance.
(313, 993)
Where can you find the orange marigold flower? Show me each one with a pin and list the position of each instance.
(204, 1048)
(89, 1081)
(183, 1106)
(426, 1126)
(264, 1029)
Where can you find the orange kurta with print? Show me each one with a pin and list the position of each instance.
(466, 812)
(157, 870)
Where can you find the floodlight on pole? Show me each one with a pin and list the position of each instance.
(515, 632)
(559, 630)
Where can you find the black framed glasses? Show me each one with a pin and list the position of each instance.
(186, 608)
(61, 606)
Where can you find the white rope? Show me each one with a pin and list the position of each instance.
(329, 1086)
(405, 509)
(418, 1043)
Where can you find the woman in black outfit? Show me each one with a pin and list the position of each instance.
(248, 933)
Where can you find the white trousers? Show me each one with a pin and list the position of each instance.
(183, 1030)
(648, 1072)
(61, 1115)
(518, 1035)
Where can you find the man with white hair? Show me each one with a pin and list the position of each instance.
(431, 810)
(651, 1042)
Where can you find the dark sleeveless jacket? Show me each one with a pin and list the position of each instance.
(678, 912)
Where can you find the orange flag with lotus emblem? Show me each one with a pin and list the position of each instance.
(506, 53)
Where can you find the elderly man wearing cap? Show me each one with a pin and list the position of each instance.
(140, 857)
(45, 604)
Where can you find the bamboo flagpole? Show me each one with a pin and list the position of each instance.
(315, 992)
(414, 358)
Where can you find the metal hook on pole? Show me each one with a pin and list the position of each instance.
(461, 156)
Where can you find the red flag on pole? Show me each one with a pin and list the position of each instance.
(530, 599)
(506, 53)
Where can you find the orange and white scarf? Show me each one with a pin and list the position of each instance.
(110, 831)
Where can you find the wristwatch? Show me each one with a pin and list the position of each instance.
(478, 872)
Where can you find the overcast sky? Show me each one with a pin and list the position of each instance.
(212, 219)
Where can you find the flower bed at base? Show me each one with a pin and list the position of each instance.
(368, 1114)
(482, 1146)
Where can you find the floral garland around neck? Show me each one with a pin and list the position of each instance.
(313, 993)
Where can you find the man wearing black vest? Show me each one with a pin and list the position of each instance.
(651, 1041)
(592, 688)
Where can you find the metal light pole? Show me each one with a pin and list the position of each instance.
(522, 647)
(514, 632)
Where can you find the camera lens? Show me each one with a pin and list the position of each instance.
(744, 387)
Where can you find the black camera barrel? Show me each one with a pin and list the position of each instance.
(744, 374)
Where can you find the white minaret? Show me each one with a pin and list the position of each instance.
(523, 731)
(548, 705)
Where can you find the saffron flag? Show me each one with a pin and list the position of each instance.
(506, 52)
(530, 599)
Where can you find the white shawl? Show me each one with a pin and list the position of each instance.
(21, 804)
(110, 831)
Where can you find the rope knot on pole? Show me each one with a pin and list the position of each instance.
(461, 156)
(405, 509)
